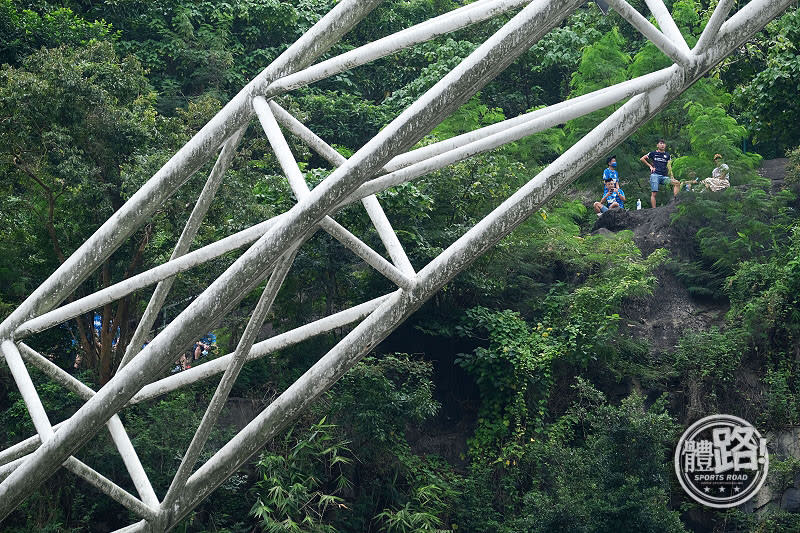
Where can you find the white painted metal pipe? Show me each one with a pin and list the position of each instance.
(259, 350)
(424, 31)
(667, 24)
(664, 44)
(188, 234)
(23, 380)
(133, 376)
(45, 431)
(740, 27)
(373, 258)
(298, 184)
(118, 434)
(6, 469)
(371, 204)
(110, 488)
(228, 379)
(22, 448)
(712, 27)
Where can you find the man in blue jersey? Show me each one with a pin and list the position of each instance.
(610, 174)
(614, 198)
(660, 163)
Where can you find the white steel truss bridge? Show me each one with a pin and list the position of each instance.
(385, 161)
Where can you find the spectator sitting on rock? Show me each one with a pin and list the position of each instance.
(687, 184)
(614, 197)
(200, 350)
(720, 176)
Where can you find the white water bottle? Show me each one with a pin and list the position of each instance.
(638, 203)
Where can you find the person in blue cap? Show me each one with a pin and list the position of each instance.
(610, 174)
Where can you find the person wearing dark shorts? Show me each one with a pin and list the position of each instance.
(660, 163)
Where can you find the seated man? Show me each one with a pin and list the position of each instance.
(615, 199)
(687, 184)
(720, 176)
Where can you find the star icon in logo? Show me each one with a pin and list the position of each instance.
(722, 489)
(737, 489)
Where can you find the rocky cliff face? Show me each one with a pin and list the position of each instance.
(666, 316)
(662, 320)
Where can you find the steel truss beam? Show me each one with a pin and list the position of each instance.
(385, 161)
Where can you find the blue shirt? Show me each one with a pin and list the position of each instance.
(659, 160)
(609, 175)
(615, 197)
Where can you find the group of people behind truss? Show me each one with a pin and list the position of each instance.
(199, 350)
(659, 162)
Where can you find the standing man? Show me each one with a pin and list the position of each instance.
(610, 174)
(660, 163)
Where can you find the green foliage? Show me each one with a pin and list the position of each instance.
(541, 74)
(374, 405)
(782, 402)
(768, 102)
(419, 514)
(390, 392)
(344, 118)
(577, 325)
(603, 63)
(161, 432)
(470, 116)
(764, 298)
(513, 375)
(299, 483)
(771, 521)
(194, 47)
(730, 227)
(67, 156)
(793, 168)
(709, 355)
(23, 31)
(712, 131)
(63, 503)
(441, 57)
(99, 113)
(599, 467)
(686, 14)
(648, 59)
